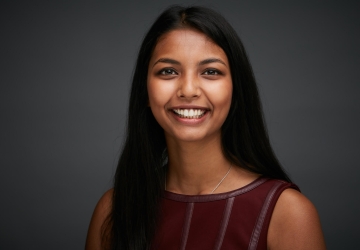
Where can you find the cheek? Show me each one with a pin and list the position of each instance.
(156, 105)
(154, 93)
(222, 95)
(158, 92)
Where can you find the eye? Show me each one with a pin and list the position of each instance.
(211, 72)
(167, 71)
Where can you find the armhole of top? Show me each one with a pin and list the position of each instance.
(283, 186)
(259, 236)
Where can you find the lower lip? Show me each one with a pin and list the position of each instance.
(187, 121)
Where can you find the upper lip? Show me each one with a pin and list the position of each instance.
(189, 107)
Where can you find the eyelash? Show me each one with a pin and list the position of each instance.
(165, 72)
(170, 71)
(215, 72)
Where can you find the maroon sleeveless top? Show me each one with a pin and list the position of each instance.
(237, 219)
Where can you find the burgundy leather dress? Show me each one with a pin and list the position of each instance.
(234, 220)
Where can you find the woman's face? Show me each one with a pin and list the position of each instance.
(189, 85)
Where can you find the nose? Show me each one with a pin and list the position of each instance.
(189, 87)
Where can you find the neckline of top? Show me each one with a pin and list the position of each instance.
(214, 197)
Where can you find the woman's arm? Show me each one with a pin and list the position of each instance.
(95, 232)
(295, 224)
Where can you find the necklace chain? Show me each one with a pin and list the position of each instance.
(217, 184)
(222, 179)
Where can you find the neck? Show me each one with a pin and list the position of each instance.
(195, 167)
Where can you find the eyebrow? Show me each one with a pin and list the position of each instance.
(167, 60)
(211, 60)
(203, 62)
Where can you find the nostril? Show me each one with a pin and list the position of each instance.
(189, 93)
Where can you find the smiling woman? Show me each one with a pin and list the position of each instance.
(189, 86)
(197, 170)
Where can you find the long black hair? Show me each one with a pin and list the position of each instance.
(139, 178)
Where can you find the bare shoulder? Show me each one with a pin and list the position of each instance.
(100, 214)
(295, 224)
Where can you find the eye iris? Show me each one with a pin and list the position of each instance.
(168, 72)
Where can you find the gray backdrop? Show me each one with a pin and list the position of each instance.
(65, 73)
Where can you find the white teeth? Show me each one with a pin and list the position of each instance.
(189, 113)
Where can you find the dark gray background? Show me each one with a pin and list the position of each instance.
(65, 73)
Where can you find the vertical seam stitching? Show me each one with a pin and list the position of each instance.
(186, 228)
(224, 222)
(260, 220)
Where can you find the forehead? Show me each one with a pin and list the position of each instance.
(187, 43)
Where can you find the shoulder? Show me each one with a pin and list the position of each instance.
(105, 201)
(100, 214)
(295, 223)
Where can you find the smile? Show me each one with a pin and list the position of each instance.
(189, 113)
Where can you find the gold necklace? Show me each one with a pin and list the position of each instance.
(217, 184)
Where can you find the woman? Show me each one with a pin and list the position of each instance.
(197, 170)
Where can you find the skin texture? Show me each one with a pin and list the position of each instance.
(188, 70)
(102, 209)
(295, 224)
